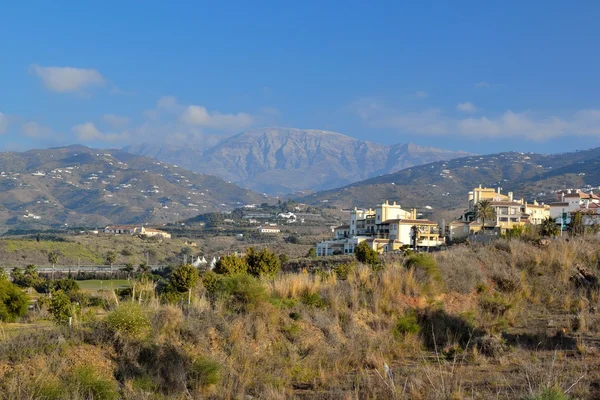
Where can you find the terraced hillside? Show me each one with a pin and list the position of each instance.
(79, 186)
(440, 189)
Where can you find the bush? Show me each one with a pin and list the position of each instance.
(129, 320)
(13, 302)
(61, 307)
(366, 255)
(231, 265)
(313, 300)
(241, 292)
(407, 324)
(205, 372)
(85, 382)
(263, 263)
(548, 394)
(426, 270)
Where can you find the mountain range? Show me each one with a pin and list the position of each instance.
(284, 160)
(439, 190)
(79, 186)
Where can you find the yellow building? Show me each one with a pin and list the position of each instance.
(508, 213)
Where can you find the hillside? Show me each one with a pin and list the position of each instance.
(284, 160)
(79, 186)
(443, 186)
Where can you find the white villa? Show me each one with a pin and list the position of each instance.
(571, 201)
(136, 230)
(386, 228)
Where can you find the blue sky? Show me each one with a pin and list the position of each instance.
(476, 76)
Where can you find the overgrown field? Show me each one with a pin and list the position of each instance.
(92, 249)
(513, 319)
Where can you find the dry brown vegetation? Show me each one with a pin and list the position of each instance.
(513, 319)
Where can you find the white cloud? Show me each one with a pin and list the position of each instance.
(200, 116)
(467, 107)
(3, 123)
(33, 129)
(526, 125)
(67, 79)
(421, 94)
(482, 85)
(88, 132)
(116, 121)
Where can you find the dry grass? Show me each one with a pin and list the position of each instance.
(514, 325)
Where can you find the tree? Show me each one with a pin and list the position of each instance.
(143, 268)
(13, 301)
(53, 259)
(129, 269)
(263, 263)
(414, 236)
(365, 254)
(231, 264)
(312, 253)
(483, 211)
(576, 226)
(548, 227)
(111, 257)
(28, 278)
(61, 307)
(185, 278)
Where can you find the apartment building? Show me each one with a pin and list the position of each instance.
(386, 227)
(509, 213)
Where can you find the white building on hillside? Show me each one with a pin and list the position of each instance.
(388, 227)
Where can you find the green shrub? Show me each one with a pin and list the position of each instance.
(85, 382)
(426, 271)
(366, 255)
(264, 263)
(129, 320)
(313, 300)
(241, 292)
(552, 393)
(231, 265)
(495, 304)
(425, 263)
(343, 270)
(13, 302)
(205, 372)
(407, 324)
(61, 307)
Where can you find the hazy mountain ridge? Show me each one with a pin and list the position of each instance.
(284, 160)
(79, 186)
(444, 185)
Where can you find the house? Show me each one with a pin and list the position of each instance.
(136, 229)
(509, 213)
(268, 229)
(461, 229)
(122, 229)
(571, 200)
(385, 228)
(151, 232)
(341, 232)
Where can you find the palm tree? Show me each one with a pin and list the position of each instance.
(53, 259)
(548, 227)
(483, 211)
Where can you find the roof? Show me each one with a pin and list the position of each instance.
(505, 203)
(410, 221)
(154, 230)
(558, 204)
(342, 227)
(121, 227)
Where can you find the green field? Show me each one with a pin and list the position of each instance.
(95, 285)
